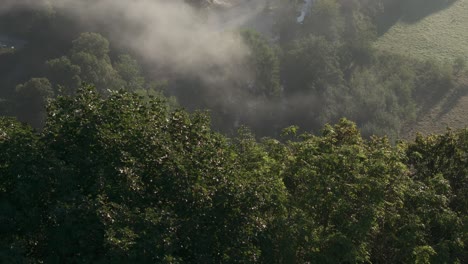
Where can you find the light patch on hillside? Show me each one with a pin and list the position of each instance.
(442, 36)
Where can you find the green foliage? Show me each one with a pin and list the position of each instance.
(24, 193)
(441, 161)
(339, 187)
(125, 179)
(89, 62)
(123, 165)
(433, 82)
(98, 72)
(326, 20)
(311, 64)
(129, 69)
(306, 74)
(117, 177)
(93, 44)
(265, 65)
(31, 99)
(64, 75)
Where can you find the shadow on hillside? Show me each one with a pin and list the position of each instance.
(409, 11)
(453, 98)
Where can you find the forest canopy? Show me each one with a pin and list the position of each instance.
(125, 179)
(234, 131)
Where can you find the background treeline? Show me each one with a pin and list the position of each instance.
(310, 74)
(129, 179)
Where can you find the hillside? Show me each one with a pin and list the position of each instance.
(450, 112)
(442, 35)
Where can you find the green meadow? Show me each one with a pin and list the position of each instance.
(442, 35)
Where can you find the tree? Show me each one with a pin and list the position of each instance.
(264, 63)
(24, 192)
(92, 43)
(99, 73)
(339, 187)
(31, 98)
(123, 178)
(439, 163)
(325, 20)
(64, 75)
(88, 61)
(129, 180)
(130, 71)
(311, 64)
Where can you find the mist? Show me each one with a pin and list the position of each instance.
(201, 45)
(170, 33)
(201, 48)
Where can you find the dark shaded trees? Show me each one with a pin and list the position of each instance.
(130, 181)
(311, 64)
(130, 72)
(89, 61)
(31, 98)
(125, 179)
(264, 63)
(64, 75)
(24, 193)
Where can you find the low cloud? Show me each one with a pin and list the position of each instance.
(168, 32)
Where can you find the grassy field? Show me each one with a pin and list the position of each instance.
(450, 112)
(442, 35)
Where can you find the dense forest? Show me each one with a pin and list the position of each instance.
(198, 131)
(125, 179)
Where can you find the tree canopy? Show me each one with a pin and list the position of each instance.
(127, 179)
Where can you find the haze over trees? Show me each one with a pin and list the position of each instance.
(309, 74)
(208, 132)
